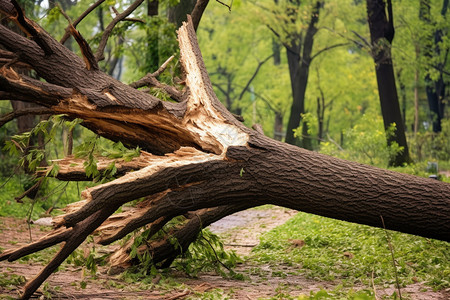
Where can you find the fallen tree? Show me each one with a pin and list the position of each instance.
(198, 160)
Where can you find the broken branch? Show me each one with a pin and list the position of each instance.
(88, 56)
(80, 18)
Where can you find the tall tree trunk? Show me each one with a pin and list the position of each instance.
(152, 53)
(299, 59)
(195, 156)
(435, 89)
(416, 94)
(382, 34)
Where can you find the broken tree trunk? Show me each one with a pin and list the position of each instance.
(199, 161)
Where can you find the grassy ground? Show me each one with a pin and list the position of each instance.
(54, 194)
(327, 249)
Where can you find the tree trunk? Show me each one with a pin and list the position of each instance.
(278, 126)
(382, 34)
(152, 54)
(195, 156)
(416, 94)
(299, 60)
(435, 89)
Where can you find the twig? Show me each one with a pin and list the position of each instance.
(9, 178)
(328, 48)
(241, 245)
(335, 143)
(362, 39)
(393, 258)
(373, 285)
(215, 253)
(99, 55)
(163, 67)
(180, 295)
(224, 4)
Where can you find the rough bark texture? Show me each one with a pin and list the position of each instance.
(200, 161)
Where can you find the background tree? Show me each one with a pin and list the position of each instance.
(437, 58)
(298, 44)
(382, 33)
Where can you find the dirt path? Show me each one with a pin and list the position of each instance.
(240, 232)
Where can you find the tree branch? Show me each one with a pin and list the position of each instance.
(86, 51)
(260, 64)
(23, 112)
(224, 4)
(285, 45)
(327, 48)
(99, 55)
(151, 81)
(198, 11)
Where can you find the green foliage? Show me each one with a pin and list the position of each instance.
(207, 254)
(31, 157)
(94, 146)
(431, 146)
(55, 195)
(89, 259)
(336, 250)
(365, 143)
(11, 281)
(337, 293)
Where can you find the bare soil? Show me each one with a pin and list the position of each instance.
(240, 232)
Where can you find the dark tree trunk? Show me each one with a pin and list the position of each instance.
(299, 59)
(278, 126)
(276, 48)
(24, 123)
(195, 156)
(382, 34)
(152, 53)
(435, 89)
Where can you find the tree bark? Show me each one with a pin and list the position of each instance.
(195, 156)
(381, 34)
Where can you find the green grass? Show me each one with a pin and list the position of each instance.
(328, 242)
(53, 194)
